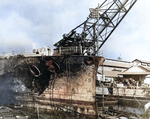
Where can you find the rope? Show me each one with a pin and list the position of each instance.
(51, 92)
(68, 66)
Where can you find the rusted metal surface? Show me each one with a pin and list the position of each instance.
(64, 81)
(34, 71)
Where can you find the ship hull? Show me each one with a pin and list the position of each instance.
(63, 82)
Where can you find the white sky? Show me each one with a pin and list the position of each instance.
(28, 24)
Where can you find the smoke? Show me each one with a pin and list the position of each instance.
(10, 88)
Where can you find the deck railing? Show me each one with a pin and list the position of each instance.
(68, 50)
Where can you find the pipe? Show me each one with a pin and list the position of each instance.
(34, 71)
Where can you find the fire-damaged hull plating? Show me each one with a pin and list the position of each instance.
(64, 82)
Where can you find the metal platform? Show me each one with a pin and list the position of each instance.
(8, 113)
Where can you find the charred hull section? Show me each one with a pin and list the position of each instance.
(63, 82)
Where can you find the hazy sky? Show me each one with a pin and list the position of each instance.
(28, 24)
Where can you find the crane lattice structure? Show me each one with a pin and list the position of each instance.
(90, 36)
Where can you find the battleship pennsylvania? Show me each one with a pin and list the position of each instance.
(67, 79)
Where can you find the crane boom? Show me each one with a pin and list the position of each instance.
(96, 29)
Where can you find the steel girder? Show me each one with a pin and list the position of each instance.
(100, 24)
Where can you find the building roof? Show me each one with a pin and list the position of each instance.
(142, 61)
(146, 67)
(111, 73)
(117, 63)
(130, 68)
(136, 70)
(134, 73)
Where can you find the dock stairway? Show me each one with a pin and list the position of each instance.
(8, 113)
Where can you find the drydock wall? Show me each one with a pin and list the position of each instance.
(134, 92)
